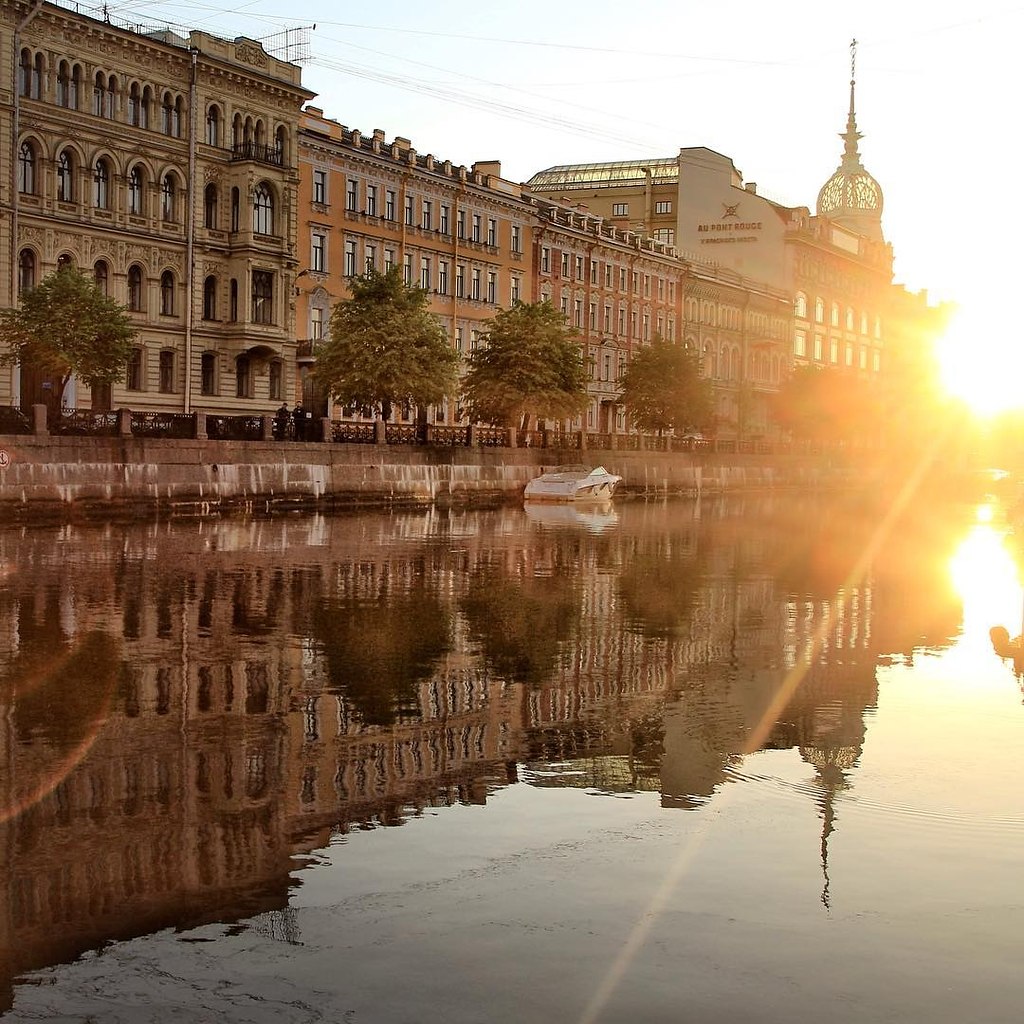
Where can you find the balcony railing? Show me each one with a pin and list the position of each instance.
(259, 152)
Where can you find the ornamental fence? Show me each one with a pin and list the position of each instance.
(128, 423)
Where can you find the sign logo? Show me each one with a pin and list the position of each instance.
(5, 459)
(730, 211)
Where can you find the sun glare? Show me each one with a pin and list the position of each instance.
(982, 364)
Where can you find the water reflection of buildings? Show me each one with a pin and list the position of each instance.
(243, 691)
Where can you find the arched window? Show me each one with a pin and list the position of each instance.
(135, 191)
(167, 293)
(236, 132)
(101, 275)
(25, 73)
(27, 169)
(101, 185)
(99, 95)
(133, 371)
(65, 177)
(212, 126)
(262, 297)
(147, 106)
(819, 311)
(234, 209)
(281, 144)
(26, 270)
(276, 373)
(801, 305)
(63, 84)
(65, 261)
(263, 211)
(178, 117)
(233, 302)
(835, 314)
(168, 198)
(135, 288)
(135, 105)
(167, 371)
(210, 206)
(210, 298)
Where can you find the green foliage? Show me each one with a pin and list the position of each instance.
(825, 404)
(67, 326)
(386, 348)
(528, 364)
(663, 389)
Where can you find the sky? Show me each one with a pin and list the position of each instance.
(534, 84)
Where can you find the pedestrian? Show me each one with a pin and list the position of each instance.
(281, 419)
(299, 415)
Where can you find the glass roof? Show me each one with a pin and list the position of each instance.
(620, 172)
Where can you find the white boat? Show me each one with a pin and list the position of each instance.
(572, 483)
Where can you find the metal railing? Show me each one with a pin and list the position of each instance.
(234, 428)
(83, 423)
(178, 425)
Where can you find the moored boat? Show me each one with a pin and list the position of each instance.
(573, 483)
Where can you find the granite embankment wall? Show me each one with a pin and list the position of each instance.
(69, 476)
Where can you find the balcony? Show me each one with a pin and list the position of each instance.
(258, 152)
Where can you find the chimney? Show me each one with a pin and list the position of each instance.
(751, 187)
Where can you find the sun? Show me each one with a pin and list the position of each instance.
(982, 363)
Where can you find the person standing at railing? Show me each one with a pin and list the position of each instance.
(281, 422)
(299, 415)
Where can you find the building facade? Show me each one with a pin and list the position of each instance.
(371, 204)
(165, 167)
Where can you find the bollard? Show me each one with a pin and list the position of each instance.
(39, 425)
(266, 427)
(200, 418)
(380, 432)
(124, 423)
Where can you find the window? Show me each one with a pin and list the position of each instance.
(350, 259)
(593, 271)
(233, 301)
(477, 221)
(135, 105)
(565, 264)
(442, 277)
(168, 199)
(577, 312)
(276, 383)
(407, 268)
(135, 288)
(65, 178)
(318, 256)
(262, 297)
(208, 373)
(26, 270)
(351, 194)
(390, 259)
(166, 372)
(101, 276)
(243, 377)
(492, 286)
(545, 259)
(492, 231)
(800, 343)
(427, 217)
(135, 192)
(389, 204)
(371, 200)
(593, 316)
(210, 298)
(103, 93)
(316, 323)
(263, 211)
(849, 319)
(410, 210)
(425, 272)
(663, 206)
(819, 311)
(579, 268)
(833, 350)
(369, 257)
(517, 238)
(444, 224)
(819, 347)
(458, 338)
(67, 86)
(620, 209)
(210, 206)
(475, 284)
(800, 307)
(172, 113)
(167, 293)
(665, 235)
(27, 169)
(133, 371)
(460, 281)
(101, 185)
(320, 186)
(460, 225)
(516, 291)
(835, 314)
(213, 127)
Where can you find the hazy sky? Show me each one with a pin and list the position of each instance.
(535, 84)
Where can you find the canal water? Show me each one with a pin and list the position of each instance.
(747, 759)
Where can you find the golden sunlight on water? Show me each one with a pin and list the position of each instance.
(986, 574)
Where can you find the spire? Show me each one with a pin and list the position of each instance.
(851, 156)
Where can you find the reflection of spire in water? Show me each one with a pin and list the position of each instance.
(829, 762)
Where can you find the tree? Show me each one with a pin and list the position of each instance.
(386, 348)
(527, 365)
(827, 404)
(663, 389)
(67, 327)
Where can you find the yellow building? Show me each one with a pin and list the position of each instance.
(164, 166)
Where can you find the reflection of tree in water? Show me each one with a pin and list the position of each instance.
(519, 623)
(379, 650)
(661, 585)
(65, 697)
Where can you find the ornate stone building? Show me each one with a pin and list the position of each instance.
(165, 166)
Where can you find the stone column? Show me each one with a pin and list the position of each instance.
(200, 426)
(124, 423)
(326, 430)
(39, 427)
(266, 427)
(380, 432)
